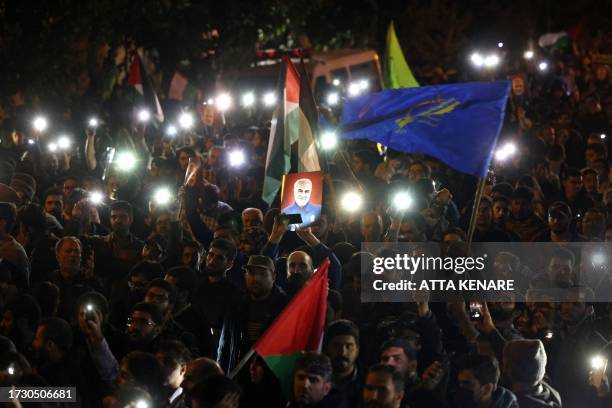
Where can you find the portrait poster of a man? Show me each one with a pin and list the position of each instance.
(302, 194)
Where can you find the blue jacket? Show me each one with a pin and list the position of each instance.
(310, 212)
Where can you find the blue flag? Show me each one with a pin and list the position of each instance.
(458, 123)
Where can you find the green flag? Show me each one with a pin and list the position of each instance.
(397, 71)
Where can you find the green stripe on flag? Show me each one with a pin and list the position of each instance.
(283, 366)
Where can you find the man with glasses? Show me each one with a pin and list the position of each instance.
(132, 290)
(144, 325)
(142, 333)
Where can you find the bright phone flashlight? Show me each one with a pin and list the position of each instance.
(224, 102)
(236, 158)
(144, 115)
(40, 123)
(402, 201)
(162, 196)
(125, 161)
(248, 99)
(351, 201)
(96, 197)
(329, 140)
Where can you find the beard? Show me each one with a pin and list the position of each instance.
(341, 364)
(213, 273)
(297, 279)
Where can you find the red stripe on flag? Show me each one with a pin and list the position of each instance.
(177, 86)
(300, 325)
(292, 83)
(134, 77)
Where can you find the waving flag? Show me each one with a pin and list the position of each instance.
(397, 71)
(291, 123)
(144, 94)
(458, 124)
(298, 328)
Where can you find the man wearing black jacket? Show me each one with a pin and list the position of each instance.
(312, 386)
(262, 302)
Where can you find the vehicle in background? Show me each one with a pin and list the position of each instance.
(345, 71)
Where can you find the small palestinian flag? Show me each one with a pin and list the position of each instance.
(144, 94)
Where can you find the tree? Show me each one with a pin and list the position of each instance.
(432, 33)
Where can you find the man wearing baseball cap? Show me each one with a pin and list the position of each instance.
(261, 303)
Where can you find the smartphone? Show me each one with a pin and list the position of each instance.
(89, 311)
(475, 310)
(598, 367)
(290, 219)
(548, 334)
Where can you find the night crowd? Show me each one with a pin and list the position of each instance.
(135, 299)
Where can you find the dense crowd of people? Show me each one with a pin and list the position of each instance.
(131, 298)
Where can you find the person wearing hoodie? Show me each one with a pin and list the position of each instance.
(523, 370)
(477, 379)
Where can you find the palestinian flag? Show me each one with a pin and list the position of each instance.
(397, 72)
(181, 89)
(293, 121)
(562, 39)
(298, 328)
(109, 82)
(144, 94)
(178, 84)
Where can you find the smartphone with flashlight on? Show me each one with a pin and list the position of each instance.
(10, 370)
(89, 311)
(475, 311)
(598, 370)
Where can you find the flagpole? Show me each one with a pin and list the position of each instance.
(241, 363)
(477, 198)
(348, 165)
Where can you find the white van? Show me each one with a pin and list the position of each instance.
(345, 65)
(326, 69)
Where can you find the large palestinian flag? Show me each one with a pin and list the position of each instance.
(298, 328)
(294, 120)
